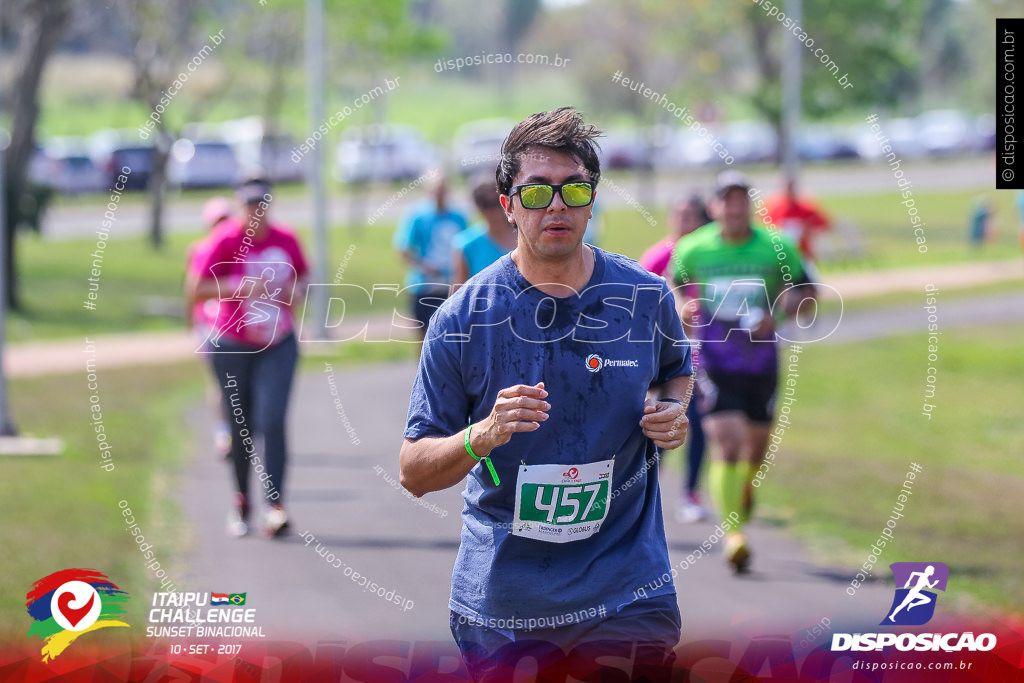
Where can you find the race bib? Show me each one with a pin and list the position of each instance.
(735, 298)
(562, 503)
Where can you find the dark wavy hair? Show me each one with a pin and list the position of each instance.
(562, 130)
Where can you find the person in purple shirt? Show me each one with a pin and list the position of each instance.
(746, 277)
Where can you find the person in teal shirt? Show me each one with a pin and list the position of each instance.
(424, 240)
(486, 241)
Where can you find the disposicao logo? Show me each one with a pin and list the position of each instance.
(70, 603)
(917, 579)
(914, 605)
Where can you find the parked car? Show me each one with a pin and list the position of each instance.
(477, 145)
(624, 148)
(985, 132)
(203, 163)
(69, 169)
(750, 141)
(256, 147)
(901, 134)
(946, 131)
(113, 151)
(817, 142)
(383, 152)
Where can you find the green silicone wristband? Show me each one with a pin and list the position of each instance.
(486, 459)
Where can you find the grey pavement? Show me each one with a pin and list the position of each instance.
(877, 323)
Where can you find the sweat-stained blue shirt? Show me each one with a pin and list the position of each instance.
(588, 530)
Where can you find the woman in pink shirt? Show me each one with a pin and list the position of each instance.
(256, 272)
(688, 214)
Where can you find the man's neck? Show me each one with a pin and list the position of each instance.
(561, 277)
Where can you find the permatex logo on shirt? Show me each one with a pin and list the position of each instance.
(595, 363)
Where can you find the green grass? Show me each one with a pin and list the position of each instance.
(857, 426)
(67, 512)
(67, 507)
(883, 223)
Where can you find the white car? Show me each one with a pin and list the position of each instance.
(477, 145)
(208, 163)
(946, 131)
(383, 152)
(750, 141)
(902, 134)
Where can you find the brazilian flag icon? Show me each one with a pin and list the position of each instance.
(237, 598)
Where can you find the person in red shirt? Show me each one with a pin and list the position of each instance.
(797, 217)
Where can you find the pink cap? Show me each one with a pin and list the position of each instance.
(215, 210)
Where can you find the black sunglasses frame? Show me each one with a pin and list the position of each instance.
(516, 189)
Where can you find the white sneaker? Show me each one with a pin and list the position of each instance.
(690, 510)
(238, 525)
(275, 523)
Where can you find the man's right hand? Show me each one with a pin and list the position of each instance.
(519, 408)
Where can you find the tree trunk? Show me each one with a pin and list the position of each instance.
(157, 188)
(41, 27)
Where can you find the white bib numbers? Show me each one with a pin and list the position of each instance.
(562, 503)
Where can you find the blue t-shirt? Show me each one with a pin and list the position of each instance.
(428, 234)
(478, 248)
(498, 331)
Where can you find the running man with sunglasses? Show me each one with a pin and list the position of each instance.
(548, 383)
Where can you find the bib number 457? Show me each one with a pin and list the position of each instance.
(563, 504)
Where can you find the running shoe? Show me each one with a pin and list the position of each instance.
(275, 524)
(737, 553)
(238, 518)
(690, 509)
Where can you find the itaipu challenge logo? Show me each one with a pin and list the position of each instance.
(71, 603)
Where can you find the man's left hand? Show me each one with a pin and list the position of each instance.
(664, 423)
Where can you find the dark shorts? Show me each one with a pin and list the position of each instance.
(641, 634)
(425, 301)
(752, 394)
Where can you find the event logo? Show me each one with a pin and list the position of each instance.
(914, 603)
(593, 362)
(572, 473)
(72, 602)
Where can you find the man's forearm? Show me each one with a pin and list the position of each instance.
(437, 463)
